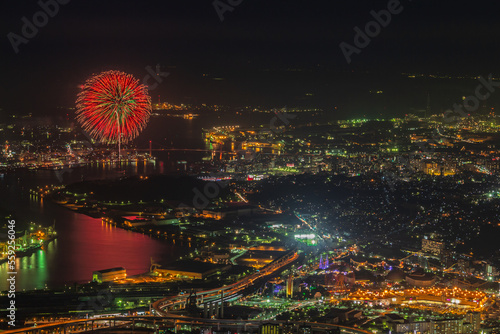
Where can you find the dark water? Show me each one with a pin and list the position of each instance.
(85, 244)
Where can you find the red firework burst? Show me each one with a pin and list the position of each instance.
(113, 105)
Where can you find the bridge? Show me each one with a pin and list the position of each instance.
(154, 324)
(216, 297)
(161, 319)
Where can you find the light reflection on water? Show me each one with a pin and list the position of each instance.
(84, 244)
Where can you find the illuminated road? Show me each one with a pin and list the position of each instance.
(153, 323)
(286, 308)
(161, 306)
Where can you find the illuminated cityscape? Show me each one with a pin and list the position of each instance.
(249, 167)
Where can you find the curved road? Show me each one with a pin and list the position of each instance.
(161, 306)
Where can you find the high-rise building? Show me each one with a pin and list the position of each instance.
(412, 327)
(474, 319)
(269, 329)
(449, 326)
(289, 286)
(432, 246)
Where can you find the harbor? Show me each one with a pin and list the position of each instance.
(34, 238)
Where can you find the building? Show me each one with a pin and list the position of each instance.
(437, 169)
(190, 269)
(134, 221)
(349, 315)
(259, 259)
(411, 327)
(474, 320)
(432, 246)
(269, 329)
(109, 275)
(167, 220)
(421, 279)
(447, 326)
(450, 326)
(230, 212)
(396, 275)
(289, 287)
(218, 257)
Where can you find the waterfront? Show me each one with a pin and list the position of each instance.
(85, 244)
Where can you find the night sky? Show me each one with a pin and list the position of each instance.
(269, 53)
